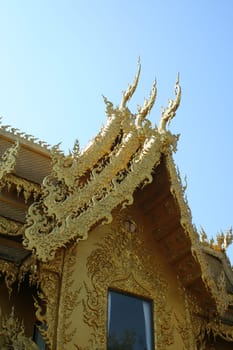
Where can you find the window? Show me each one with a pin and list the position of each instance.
(38, 339)
(129, 322)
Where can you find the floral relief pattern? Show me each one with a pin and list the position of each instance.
(124, 262)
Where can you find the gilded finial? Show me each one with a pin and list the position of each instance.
(224, 239)
(76, 149)
(148, 104)
(83, 190)
(169, 112)
(131, 88)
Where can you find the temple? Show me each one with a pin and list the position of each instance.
(97, 248)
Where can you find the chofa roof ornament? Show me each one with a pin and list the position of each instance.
(131, 89)
(84, 187)
(169, 113)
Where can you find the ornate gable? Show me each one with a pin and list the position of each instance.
(45, 210)
(84, 187)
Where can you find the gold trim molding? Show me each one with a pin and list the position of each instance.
(47, 301)
(217, 290)
(28, 189)
(53, 305)
(13, 273)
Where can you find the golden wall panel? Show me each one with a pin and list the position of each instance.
(122, 256)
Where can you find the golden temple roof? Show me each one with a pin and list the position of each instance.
(84, 188)
(61, 198)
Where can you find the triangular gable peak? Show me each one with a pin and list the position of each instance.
(129, 163)
(85, 187)
(164, 205)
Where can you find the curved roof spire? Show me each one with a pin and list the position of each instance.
(131, 88)
(82, 191)
(169, 112)
(147, 106)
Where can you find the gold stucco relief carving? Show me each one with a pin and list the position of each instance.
(47, 300)
(85, 187)
(9, 271)
(22, 186)
(10, 227)
(218, 328)
(169, 113)
(177, 190)
(222, 242)
(68, 300)
(12, 334)
(7, 161)
(124, 262)
(57, 299)
(188, 326)
(13, 273)
(197, 328)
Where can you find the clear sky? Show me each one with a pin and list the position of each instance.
(59, 57)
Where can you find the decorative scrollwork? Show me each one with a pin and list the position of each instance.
(47, 301)
(13, 273)
(10, 272)
(189, 327)
(8, 160)
(10, 227)
(68, 299)
(177, 191)
(12, 334)
(169, 112)
(124, 261)
(217, 328)
(28, 189)
(84, 188)
(221, 243)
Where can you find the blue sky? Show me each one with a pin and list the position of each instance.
(59, 57)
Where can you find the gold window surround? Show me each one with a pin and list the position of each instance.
(123, 262)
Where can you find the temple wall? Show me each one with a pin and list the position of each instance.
(125, 257)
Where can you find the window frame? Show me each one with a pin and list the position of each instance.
(141, 298)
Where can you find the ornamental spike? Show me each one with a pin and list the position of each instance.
(148, 104)
(169, 113)
(131, 88)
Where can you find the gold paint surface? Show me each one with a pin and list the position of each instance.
(83, 201)
(85, 187)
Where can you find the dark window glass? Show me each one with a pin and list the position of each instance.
(38, 339)
(129, 322)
